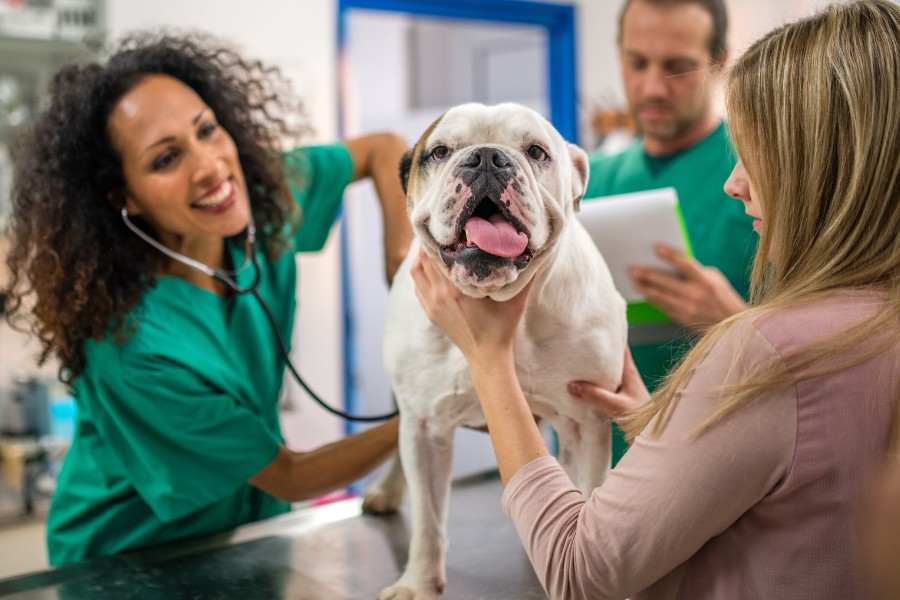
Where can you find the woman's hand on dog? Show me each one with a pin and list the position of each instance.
(631, 393)
(483, 329)
(695, 296)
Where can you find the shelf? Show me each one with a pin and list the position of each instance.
(50, 33)
(20, 54)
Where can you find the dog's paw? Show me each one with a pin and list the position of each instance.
(400, 591)
(382, 500)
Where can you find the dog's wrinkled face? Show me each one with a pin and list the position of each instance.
(489, 191)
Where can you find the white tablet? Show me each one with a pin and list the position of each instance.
(625, 228)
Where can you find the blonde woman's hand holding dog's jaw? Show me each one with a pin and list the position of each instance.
(483, 329)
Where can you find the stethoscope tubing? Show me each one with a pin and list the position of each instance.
(230, 279)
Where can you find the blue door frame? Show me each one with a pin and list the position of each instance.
(557, 19)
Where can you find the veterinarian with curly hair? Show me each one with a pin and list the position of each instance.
(143, 175)
(752, 467)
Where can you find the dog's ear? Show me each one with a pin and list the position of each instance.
(405, 166)
(580, 174)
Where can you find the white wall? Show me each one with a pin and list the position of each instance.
(299, 37)
(599, 82)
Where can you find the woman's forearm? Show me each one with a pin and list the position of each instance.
(516, 438)
(294, 476)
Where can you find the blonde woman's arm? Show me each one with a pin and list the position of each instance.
(484, 330)
(667, 497)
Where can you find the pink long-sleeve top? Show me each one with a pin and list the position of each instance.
(769, 503)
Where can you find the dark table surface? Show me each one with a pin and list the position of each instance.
(328, 552)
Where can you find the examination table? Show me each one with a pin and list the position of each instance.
(328, 552)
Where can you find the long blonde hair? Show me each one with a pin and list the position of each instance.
(815, 118)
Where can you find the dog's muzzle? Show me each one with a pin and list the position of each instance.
(489, 236)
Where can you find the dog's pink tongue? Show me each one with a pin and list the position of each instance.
(496, 236)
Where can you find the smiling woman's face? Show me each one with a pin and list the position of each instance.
(181, 168)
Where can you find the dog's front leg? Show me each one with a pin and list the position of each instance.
(386, 493)
(585, 449)
(426, 451)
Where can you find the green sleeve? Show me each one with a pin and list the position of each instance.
(183, 443)
(317, 177)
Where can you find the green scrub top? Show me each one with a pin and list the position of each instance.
(721, 235)
(173, 423)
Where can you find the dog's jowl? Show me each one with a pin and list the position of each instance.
(491, 193)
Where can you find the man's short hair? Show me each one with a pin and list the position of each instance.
(718, 42)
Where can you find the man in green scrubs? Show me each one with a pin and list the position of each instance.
(671, 52)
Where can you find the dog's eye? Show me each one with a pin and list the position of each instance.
(440, 153)
(538, 153)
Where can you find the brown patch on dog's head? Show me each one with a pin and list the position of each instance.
(405, 166)
(410, 164)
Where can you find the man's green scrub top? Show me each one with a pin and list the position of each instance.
(721, 235)
(172, 424)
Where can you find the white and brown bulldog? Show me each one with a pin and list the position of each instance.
(491, 192)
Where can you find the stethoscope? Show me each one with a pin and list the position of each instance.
(229, 278)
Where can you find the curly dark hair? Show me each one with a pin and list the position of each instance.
(69, 246)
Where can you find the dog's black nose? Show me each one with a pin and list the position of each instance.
(488, 156)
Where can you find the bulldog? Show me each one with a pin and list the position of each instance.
(491, 193)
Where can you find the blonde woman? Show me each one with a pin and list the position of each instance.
(752, 467)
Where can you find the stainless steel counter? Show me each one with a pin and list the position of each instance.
(330, 552)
